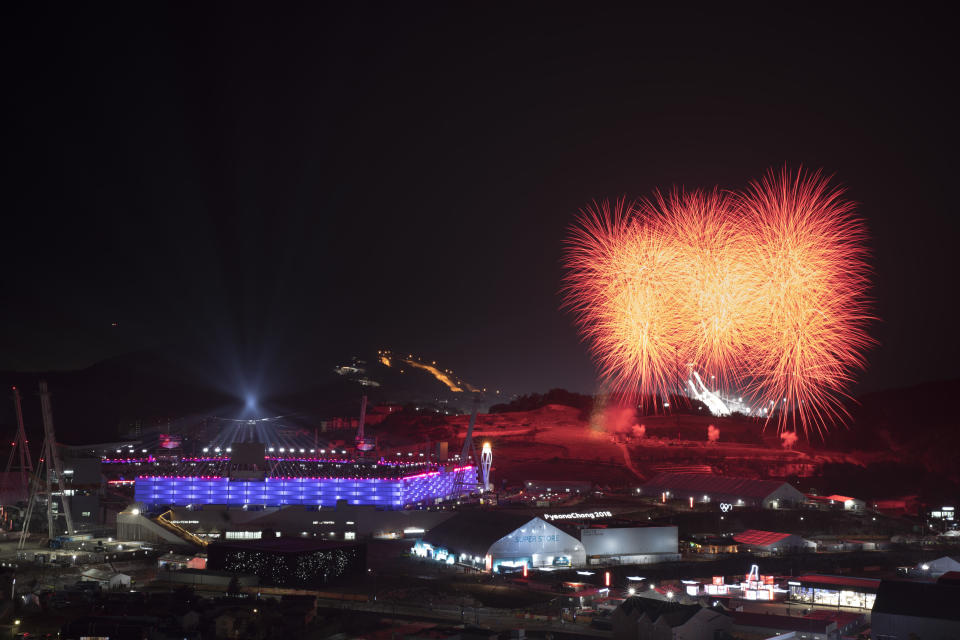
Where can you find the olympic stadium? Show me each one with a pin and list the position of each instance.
(251, 481)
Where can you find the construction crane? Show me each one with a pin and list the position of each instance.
(20, 447)
(49, 476)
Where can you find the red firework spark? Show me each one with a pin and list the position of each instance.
(766, 288)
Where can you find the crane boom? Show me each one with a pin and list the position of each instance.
(53, 458)
(19, 448)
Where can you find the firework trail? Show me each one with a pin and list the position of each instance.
(766, 288)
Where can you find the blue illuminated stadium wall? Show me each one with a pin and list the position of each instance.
(388, 493)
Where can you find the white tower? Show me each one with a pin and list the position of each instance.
(486, 459)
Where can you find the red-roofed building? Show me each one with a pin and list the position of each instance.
(753, 540)
(847, 621)
(836, 502)
(765, 625)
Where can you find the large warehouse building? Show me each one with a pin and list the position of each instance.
(501, 541)
(722, 490)
(630, 545)
(504, 541)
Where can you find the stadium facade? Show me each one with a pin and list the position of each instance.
(386, 487)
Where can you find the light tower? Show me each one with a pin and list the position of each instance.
(486, 459)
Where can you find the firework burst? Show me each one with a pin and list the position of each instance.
(765, 289)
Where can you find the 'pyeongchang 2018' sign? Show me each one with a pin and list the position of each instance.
(592, 515)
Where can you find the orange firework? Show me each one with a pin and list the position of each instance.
(809, 334)
(709, 280)
(618, 288)
(765, 290)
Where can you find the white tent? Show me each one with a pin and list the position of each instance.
(936, 568)
(106, 579)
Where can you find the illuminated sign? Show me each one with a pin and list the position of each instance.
(725, 507)
(593, 515)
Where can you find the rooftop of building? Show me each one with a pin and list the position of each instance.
(780, 623)
(713, 484)
(842, 618)
(831, 498)
(285, 468)
(475, 530)
(760, 538)
(717, 541)
(919, 599)
(674, 614)
(836, 582)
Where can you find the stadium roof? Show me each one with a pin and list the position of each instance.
(918, 599)
(475, 531)
(760, 538)
(711, 484)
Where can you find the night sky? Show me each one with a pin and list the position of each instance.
(273, 187)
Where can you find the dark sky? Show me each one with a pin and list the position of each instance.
(274, 185)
